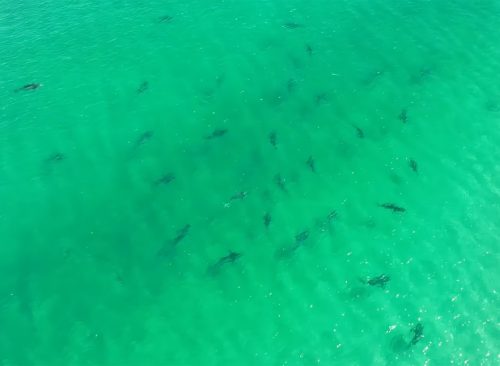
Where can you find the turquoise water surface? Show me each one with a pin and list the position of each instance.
(262, 182)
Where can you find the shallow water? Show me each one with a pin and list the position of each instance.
(165, 136)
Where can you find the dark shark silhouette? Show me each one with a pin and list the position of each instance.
(324, 223)
(229, 258)
(309, 50)
(392, 207)
(413, 165)
(292, 25)
(288, 250)
(267, 220)
(31, 86)
(55, 158)
(417, 333)
(372, 77)
(321, 98)
(311, 164)
(377, 281)
(273, 139)
(143, 87)
(171, 244)
(280, 182)
(143, 138)
(165, 179)
(165, 19)
(236, 197)
(403, 116)
(359, 132)
(302, 236)
(219, 132)
(332, 215)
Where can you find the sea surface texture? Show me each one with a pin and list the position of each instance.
(249, 182)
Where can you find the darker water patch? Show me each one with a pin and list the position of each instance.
(395, 178)
(292, 25)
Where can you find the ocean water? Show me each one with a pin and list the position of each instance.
(203, 182)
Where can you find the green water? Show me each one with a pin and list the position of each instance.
(324, 105)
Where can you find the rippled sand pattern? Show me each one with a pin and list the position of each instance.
(249, 182)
